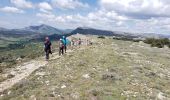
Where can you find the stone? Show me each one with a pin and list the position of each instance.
(161, 96)
(86, 76)
(63, 86)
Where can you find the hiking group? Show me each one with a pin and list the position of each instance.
(62, 44)
(48, 46)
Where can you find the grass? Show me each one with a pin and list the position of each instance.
(30, 51)
(5, 41)
(11, 58)
(117, 70)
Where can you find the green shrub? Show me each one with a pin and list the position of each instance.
(136, 40)
(168, 45)
(101, 37)
(160, 43)
(157, 44)
(126, 39)
(165, 41)
(22, 56)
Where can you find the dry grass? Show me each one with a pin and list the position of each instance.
(108, 70)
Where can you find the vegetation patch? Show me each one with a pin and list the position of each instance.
(160, 43)
(101, 37)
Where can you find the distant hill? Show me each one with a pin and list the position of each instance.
(16, 33)
(31, 32)
(40, 31)
(11, 36)
(44, 29)
(67, 30)
(91, 31)
(2, 29)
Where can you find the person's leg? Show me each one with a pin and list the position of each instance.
(79, 44)
(47, 54)
(59, 51)
(62, 50)
(65, 48)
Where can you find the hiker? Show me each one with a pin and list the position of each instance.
(79, 42)
(47, 47)
(65, 43)
(72, 42)
(61, 47)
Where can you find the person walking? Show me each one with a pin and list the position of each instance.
(47, 47)
(61, 47)
(79, 42)
(65, 43)
(72, 42)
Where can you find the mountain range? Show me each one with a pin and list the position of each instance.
(118, 34)
(46, 30)
(29, 33)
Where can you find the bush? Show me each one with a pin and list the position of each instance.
(160, 43)
(101, 37)
(157, 44)
(165, 41)
(22, 56)
(136, 40)
(168, 45)
(126, 39)
(16, 46)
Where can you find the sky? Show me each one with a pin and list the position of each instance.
(149, 16)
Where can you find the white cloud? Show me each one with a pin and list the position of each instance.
(22, 3)
(157, 25)
(94, 19)
(46, 16)
(44, 6)
(102, 20)
(118, 15)
(69, 4)
(45, 11)
(142, 9)
(8, 9)
(104, 14)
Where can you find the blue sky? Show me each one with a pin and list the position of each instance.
(117, 15)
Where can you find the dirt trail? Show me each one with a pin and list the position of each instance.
(24, 70)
